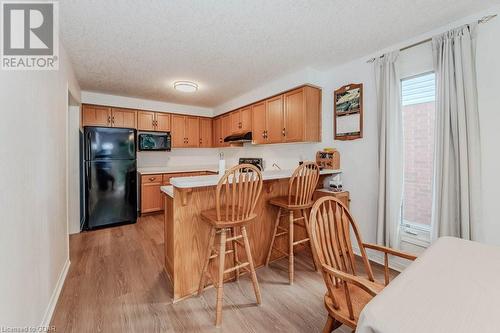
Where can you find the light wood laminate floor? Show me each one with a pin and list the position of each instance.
(116, 283)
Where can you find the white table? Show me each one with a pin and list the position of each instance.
(454, 286)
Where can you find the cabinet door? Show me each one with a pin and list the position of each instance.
(294, 102)
(178, 131)
(246, 119)
(151, 197)
(192, 132)
(145, 121)
(123, 118)
(217, 129)
(274, 119)
(162, 122)
(226, 129)
(205, 132)
(259, 123)
(93, 115)
(235, 123)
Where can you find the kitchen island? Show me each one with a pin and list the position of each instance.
(187, 235)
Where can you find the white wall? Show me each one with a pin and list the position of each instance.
(74, 169)
(34, 236)
(488, 75)
(143, 104)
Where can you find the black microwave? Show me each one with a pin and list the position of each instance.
(148, 141)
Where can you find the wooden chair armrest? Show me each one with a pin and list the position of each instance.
(368, 286)
(388, 250)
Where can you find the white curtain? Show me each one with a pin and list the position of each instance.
(457, 158)
(390, 128)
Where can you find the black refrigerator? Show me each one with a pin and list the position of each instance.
(110, 176)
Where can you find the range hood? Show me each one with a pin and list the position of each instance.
(243, 137)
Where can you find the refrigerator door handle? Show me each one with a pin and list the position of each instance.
(87, 146)
(87, 176)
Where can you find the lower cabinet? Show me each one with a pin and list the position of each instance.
(342, 196)
(151, 200)
(151, 196)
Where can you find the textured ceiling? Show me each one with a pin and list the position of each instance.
(138, 48)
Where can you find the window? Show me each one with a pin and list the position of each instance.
(418, 107)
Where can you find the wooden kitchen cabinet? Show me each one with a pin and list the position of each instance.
(241, 120)
(125, 118)
(302, 115)
(93, 115)
(162, 122)
(342, 196)
(151, 197)
(294, 116)
(205, 133)
(259, 123)
(226, 129)
(218, 140)
(274, 120)
(185, 131)
(153, 121)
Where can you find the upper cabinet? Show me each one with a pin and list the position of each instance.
(206, 132)
(185, 131)
(294, 116)
(218, 140)
(93, 115)
(241, 120)
(153, 121)
(123, 118)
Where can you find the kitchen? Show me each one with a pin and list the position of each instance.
(201, 166)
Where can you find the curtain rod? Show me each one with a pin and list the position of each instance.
(480, 21)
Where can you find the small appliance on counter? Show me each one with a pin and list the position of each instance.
(329, 158)
(253, 161)
(154, 142)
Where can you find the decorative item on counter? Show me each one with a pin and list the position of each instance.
(336, 183)
(328, 158)
(222, 164)
(348, 112)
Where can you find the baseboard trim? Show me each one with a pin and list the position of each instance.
(55, 295)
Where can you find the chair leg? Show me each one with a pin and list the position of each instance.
(290, 249)
(308, 232)
(235, 253)
(220, 282)
(255, 282)
(207, 261)
(276, 224)
(331, 324)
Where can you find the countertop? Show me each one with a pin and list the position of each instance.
(175, 169)
(212, 180)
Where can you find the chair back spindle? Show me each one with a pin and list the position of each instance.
(302, 184)
(237, 193)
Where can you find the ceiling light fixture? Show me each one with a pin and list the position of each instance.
(185, 86)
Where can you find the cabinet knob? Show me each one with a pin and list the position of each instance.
(152, 178)
(109, 119)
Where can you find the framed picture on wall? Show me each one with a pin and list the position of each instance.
(348, 112)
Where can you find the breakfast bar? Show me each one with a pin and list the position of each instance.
(187, 236)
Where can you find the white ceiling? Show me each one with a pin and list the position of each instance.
(138, 48)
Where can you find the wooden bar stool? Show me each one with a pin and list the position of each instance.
(237, 194)
(301, 188)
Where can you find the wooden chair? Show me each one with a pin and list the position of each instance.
(237, 194)
(301, 188)
(347, 293)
